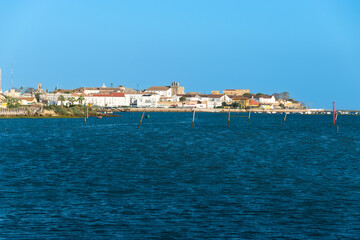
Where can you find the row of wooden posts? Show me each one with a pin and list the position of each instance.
(193, 119)
(228, 122)
(86, 116)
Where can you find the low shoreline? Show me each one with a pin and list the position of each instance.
(55, 116)
(109, 113)
(215, 110)
(24, 116)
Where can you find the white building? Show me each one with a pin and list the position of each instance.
(53, 98)
(148, 100)
(12, 93)
(106, 100)
(161, 90)
(210, 100)
(214, 101)
(131, 99)
(267, 100)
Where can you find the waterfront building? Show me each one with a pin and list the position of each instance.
(210, 100)
(243, 101)
(166, 99)
(106, 100)
(215, 92)
(195, 104)
(161, 90)
(148, 100)
(53, 98)
(27, 100)
(290, 104)
(190, 96)
(253, 103)
(266, 106)
(265, 99)
(131, 99)
(214, 100)
(12, 93)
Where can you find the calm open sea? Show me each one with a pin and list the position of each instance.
(106, 179)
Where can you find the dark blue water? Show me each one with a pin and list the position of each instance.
(106, 179)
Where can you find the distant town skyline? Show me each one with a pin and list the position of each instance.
(307, 48)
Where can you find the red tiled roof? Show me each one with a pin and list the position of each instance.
(264, 96)
(109, 95)
(253, 102)
(27, 98)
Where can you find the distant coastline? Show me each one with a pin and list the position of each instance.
(78, 112)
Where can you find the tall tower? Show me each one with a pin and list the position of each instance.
(176, 89)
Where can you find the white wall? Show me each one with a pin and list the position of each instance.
(132, 98)
(148, 100)
(267, 100)
(106, 101)
(165, 93)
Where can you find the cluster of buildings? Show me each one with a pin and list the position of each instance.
(172, 96)
(155, 97)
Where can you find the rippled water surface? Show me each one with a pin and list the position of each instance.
(106, 179)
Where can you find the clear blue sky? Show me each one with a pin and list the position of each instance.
(310, 48)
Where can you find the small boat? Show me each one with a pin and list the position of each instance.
(147, 116)
(98, 117)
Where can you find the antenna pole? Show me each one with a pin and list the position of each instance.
(12, 76)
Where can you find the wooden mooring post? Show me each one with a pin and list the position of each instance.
(193, 119)
(249, 116)
(229, 118)
(85, 112)
(141, 119)
(284, 119)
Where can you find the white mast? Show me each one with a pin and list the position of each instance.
(0, 81)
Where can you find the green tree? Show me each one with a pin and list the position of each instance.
(81, 99)
(71, 100)
(235, 104)
(12, 102)
(37, 96)
(61, 99)
(182, 99)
